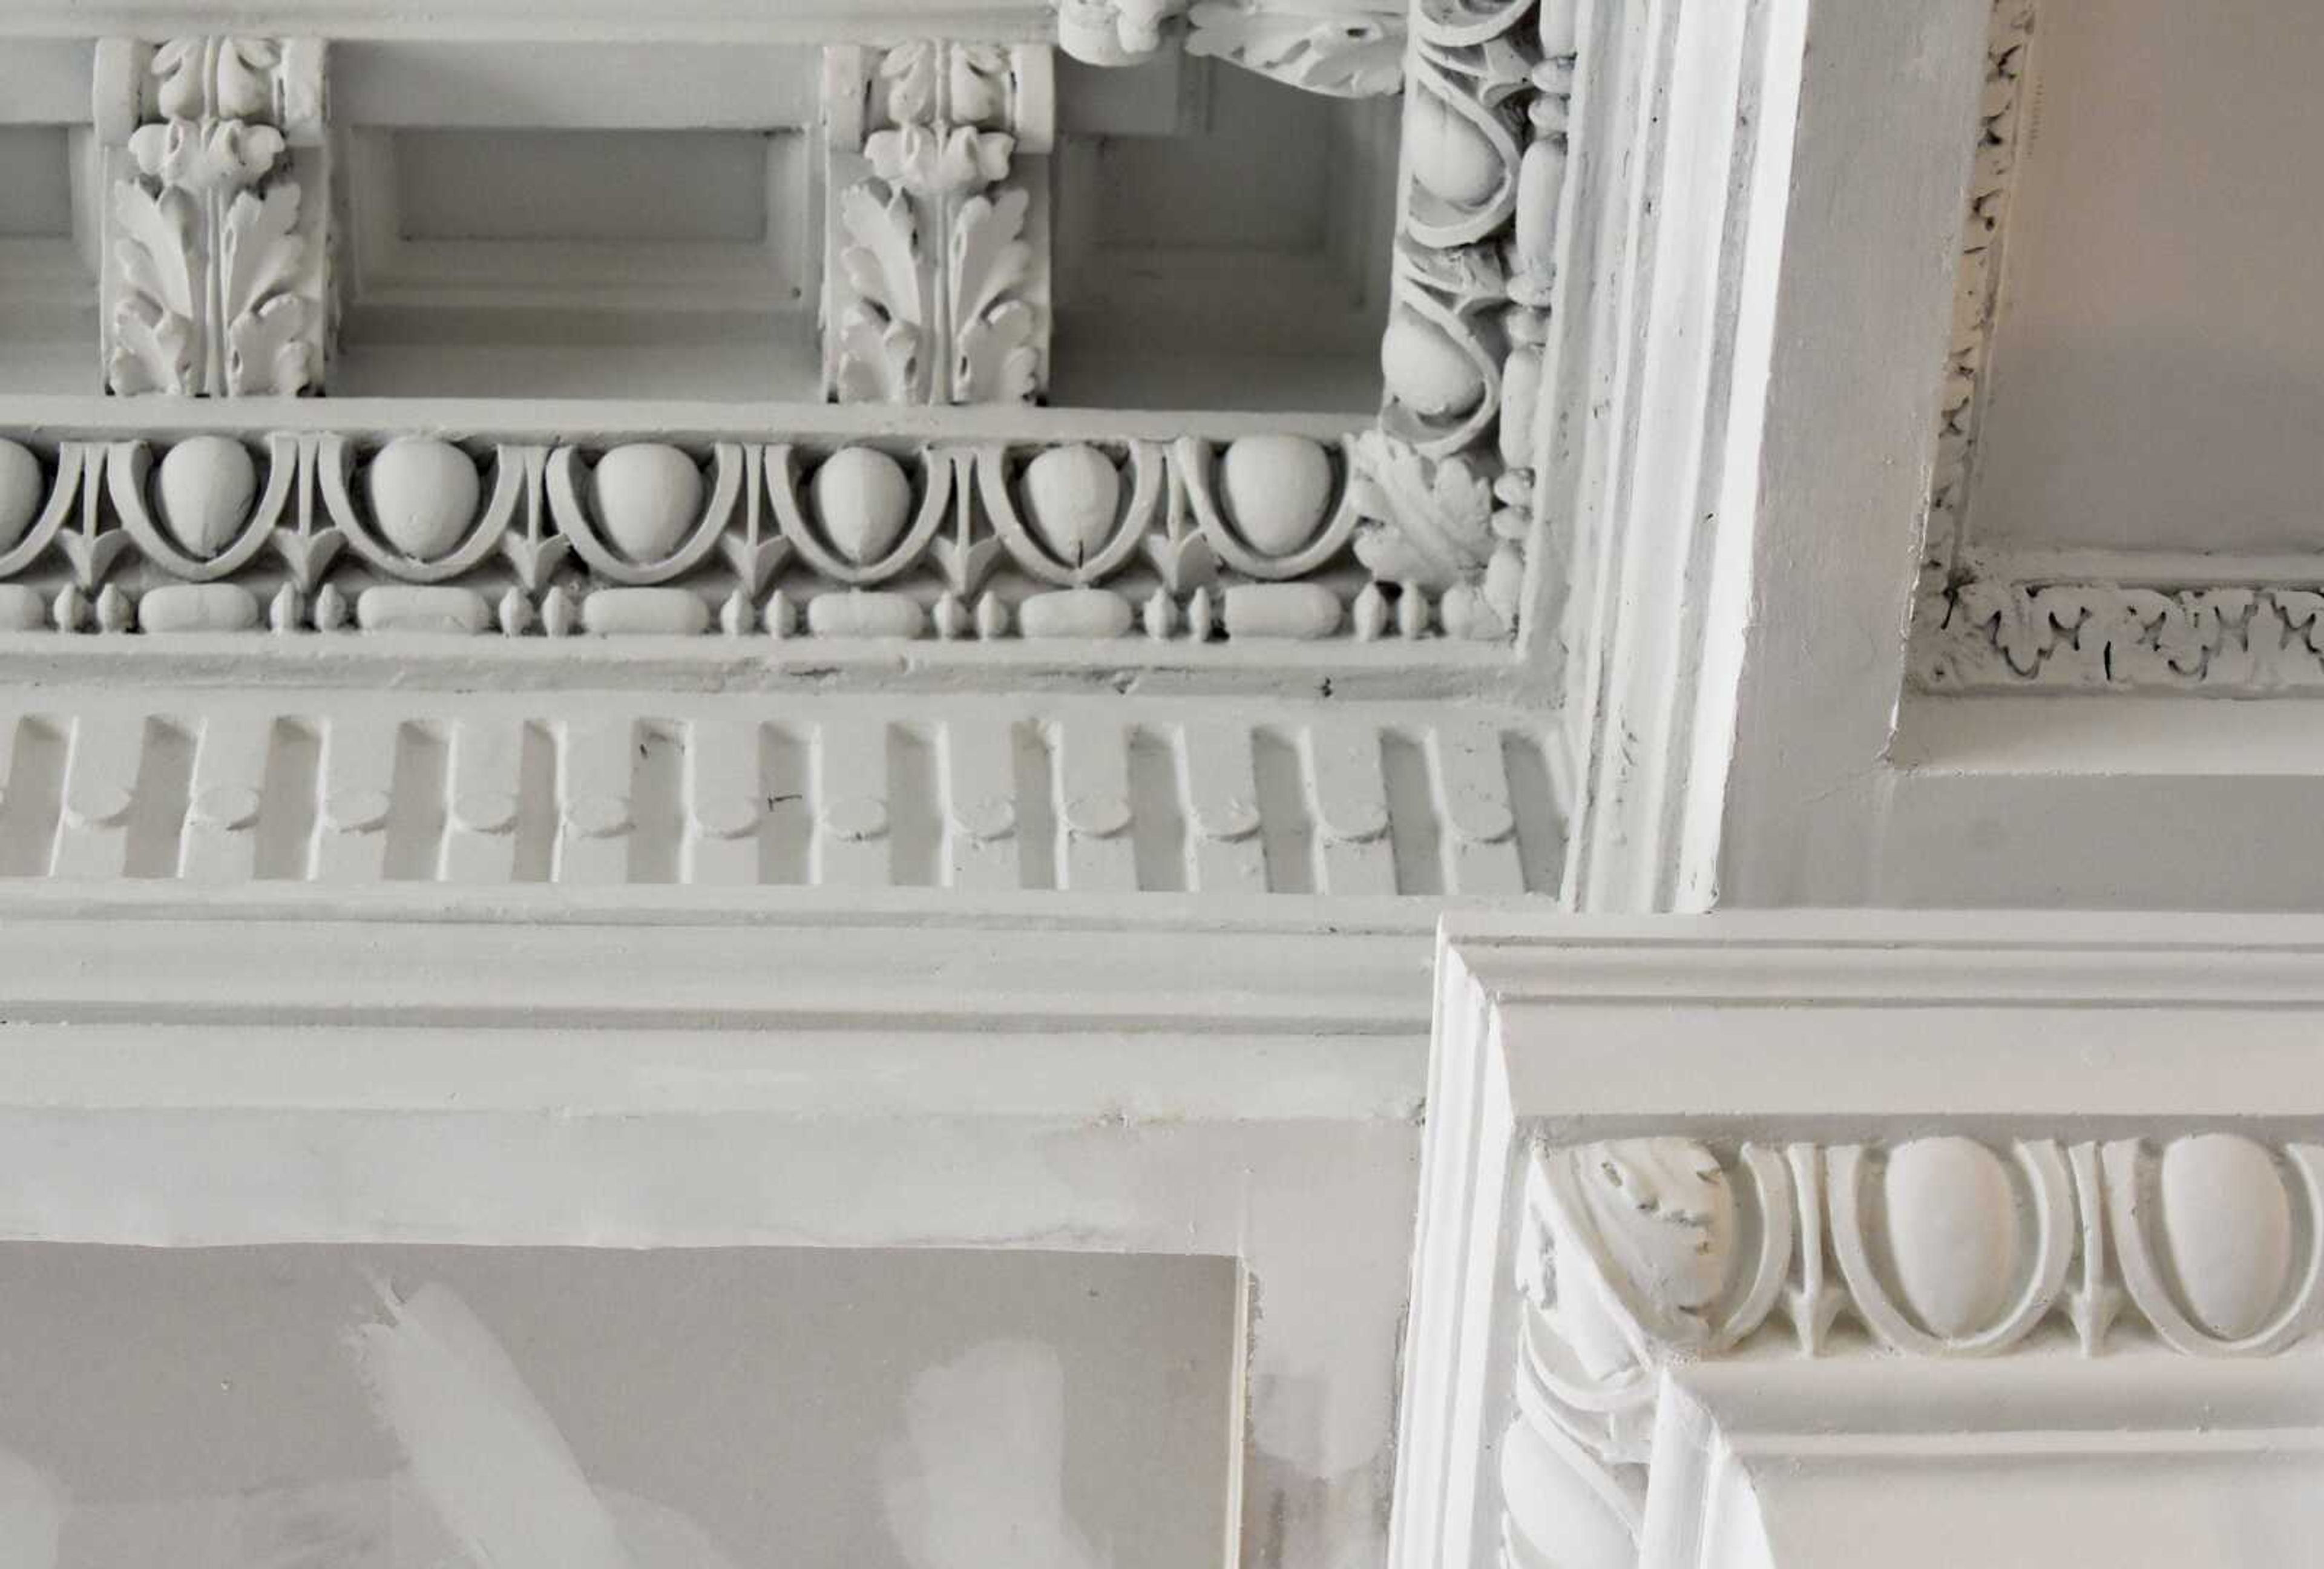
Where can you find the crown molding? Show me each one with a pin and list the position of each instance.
(1764, 1145)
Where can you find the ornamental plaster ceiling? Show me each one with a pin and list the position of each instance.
(890, 463)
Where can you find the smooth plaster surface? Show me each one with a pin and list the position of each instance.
(2157, 374)
(206, 1408)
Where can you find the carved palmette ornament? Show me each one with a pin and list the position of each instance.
(936, 286)
(216, 265)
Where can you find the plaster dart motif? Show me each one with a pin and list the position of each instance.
(937, 291)
(215, 259)
(1191, 540)
(1637, 1252)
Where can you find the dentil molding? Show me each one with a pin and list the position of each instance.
(1772, 1144)
(958, 793)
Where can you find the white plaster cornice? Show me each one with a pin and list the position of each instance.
(948, 790)
(1605, 1205)
(1418, 527)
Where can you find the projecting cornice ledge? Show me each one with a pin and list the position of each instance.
(1713, 1207)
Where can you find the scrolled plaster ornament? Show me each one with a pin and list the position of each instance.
(1631, 1252)
(1339, 47)
(1346, 49)
(216, 269)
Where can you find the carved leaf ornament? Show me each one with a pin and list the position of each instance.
(216, 290)
(937, 291)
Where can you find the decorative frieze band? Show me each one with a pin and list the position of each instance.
(216, 266)
(1255, 536)
(1637, 1252)
(935, 293)
(936, 265)
(1996, 625)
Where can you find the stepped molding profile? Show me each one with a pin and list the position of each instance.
(1761, 1160)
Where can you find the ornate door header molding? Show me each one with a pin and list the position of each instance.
(1765, 1145)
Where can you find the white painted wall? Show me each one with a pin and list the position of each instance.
(725, 1408)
